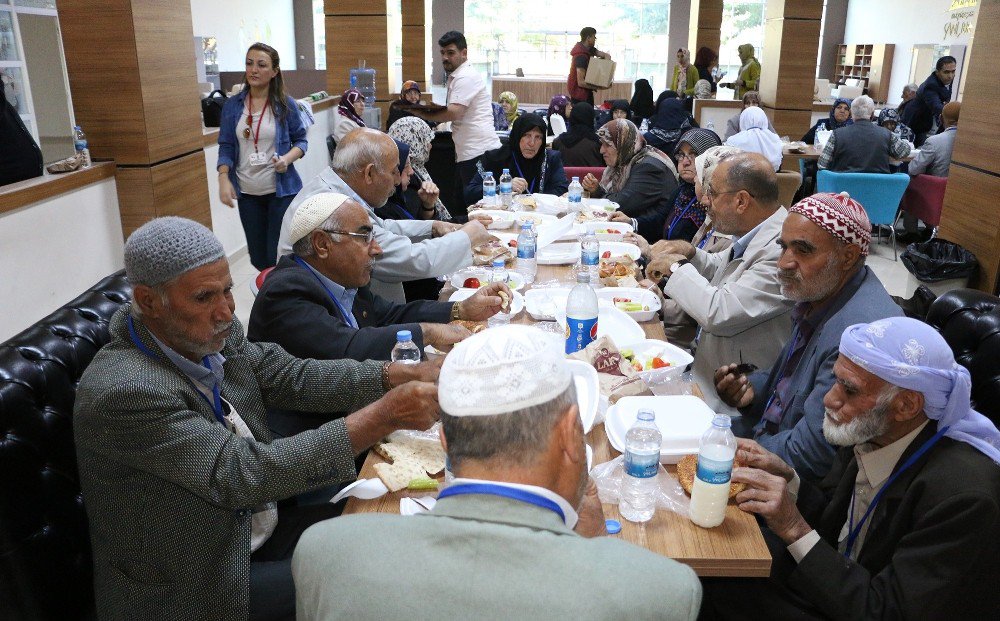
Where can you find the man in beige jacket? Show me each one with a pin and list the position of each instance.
(734, 296)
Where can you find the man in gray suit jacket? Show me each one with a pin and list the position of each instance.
(823, 243)
(517, 535)
(179, 473)
(365, 168)
(933, 159)
(734, 296)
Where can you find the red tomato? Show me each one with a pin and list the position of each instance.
(471, 283)
(659, 363)
(512, 243)
(606, 255)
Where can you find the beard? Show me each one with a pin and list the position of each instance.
(862, 429)
(180, 341)
(795, 288)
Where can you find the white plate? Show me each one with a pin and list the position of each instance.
(620, 248)
(537, 301)
(501, 219)
(516, 305)
(514, 280)
(506, 239)
(677, 357)
(564, 253)
(597, 204)
(644, 296)
(611, 322)
(596, 227)
(539, 219)
(682, 420)
(549, 204)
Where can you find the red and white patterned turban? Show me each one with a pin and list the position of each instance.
(838, 214)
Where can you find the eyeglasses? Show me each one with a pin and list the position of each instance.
(369, 237)
(686, 156)
(712, 194)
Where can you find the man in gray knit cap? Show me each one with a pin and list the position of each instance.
(180, 475)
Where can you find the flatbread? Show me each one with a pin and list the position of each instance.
(472, 326)
(687, 466)
(398, 474)
(429, 454)
(484, 254)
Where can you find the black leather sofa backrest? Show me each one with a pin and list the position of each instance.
(45, 564)
(969, 320)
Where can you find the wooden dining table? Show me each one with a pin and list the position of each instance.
(736, 548)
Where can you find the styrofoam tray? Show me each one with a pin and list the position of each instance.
(682, 419)
(538, 219)
(514, 280)
(620, 248)
(644, 296)
(536, 302)
(501, 219)
(562, 253)
(677, 357)
(611, 322)
(595, 226)
(549, 204)
(516, 305)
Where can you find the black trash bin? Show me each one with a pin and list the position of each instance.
(942, 264)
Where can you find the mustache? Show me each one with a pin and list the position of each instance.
(789, 275)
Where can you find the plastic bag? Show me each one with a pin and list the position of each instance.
(937, 260)
(432, 434)
(608, 477)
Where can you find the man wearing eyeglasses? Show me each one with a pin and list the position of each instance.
(735, 297)
(317, 302)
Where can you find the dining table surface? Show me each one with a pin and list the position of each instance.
(736, 548)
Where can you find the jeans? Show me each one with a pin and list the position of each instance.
(261, 217)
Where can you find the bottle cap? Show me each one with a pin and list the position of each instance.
(498, 262)
(722, 420)
(506, 171)
(647, 414)
(614, 526)
(404, 335)
(583, 277)
(576, 179)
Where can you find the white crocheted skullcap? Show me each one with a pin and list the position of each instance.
(313, 212)
(502, 370)
(164, 248)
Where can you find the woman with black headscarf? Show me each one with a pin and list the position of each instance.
(840, 116)
(535, 170)
(639, 177)
(684, 214)
(642, 102)
(668, 125)
(579, 145)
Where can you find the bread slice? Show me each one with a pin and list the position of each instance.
(429, 454)
(398, 474)
(687, 467)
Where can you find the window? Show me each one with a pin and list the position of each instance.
(505, 35)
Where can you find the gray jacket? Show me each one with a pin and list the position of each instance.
(799, 439)
(169, 491)
(738, 304)
(934, 157)
(481, 557)
(408, 250)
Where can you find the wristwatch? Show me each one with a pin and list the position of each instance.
(676, 266)
(456, 312)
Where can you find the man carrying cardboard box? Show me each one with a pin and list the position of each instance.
(576, 84)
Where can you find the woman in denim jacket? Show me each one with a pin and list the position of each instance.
(261, 134)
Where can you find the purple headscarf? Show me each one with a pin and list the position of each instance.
(912, 355)
(346, 105)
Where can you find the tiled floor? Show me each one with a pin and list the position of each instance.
(893, 275)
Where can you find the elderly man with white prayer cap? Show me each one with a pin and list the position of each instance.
(824, 242)
(907, 523)
(517, 535)
(179, 471)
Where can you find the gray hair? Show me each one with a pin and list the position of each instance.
(746, 173)
(862, 108)
(517, 438)
(304, 247)
(911, 88)
(352, 156)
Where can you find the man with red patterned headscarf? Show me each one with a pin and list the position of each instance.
(824, 242)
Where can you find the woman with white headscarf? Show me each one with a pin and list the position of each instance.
(754, 136)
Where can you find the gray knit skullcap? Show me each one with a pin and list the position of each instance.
(164, 248)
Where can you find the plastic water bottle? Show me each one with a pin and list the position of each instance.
(489, 190)
(527, 265)
(590, 251)
(80, 144)
(816, 141)
(575, 192)
(506, 189)
(498, 274)
(581, 314)
(642, 463)
(710, 492)
(405, 350)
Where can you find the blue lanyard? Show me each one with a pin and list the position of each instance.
(678, 218)
(856, 530)
(704, 240)
(781, 369)
(501, 490)
(216, 402)
(531, 188)
(343, 313)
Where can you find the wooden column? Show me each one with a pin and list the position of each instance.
(705, 26)
(358, 30)
(132, 75)
(970, 216)
(415, 41)
(788, 63)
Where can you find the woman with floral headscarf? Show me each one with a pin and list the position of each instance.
(409, 96)
(559, 110)
(348, 117)
(421, 195)
(508, 101)
(685, 75)
(640, 178)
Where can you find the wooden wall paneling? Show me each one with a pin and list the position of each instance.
(413, 12)
(415, 54)
(794, 9)
(353, 38)
(705, 26)
(788, 67)
(355, 7)
(970, 218)
(174, 188)
(791, 123)
(99, 43)
(976, 146)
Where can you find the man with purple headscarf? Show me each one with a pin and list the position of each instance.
(907, 523)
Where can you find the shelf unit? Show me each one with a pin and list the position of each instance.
(869, 62)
